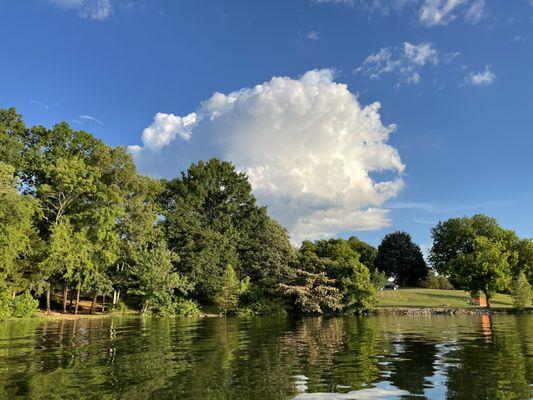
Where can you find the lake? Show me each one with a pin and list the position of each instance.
(436, 357)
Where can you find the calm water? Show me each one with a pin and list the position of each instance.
(459, 357)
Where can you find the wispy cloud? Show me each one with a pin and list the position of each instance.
(406, 62)
(97, 10)
(433, 208)
(89, 118)
(481, 78)
(39, 103)
(429, 12)
(312, 35)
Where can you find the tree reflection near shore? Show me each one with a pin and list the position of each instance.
(268, 358)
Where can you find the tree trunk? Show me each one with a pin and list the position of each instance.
(488, 300)
(65, 295)
(144, 308)
(77, 301)
(93, 306)
(48, 295)
(103, 303)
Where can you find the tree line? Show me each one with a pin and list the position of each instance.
(78, 221)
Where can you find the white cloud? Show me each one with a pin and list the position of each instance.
(308, 146)
(165, 128)
(406, 62)
(441, 12)
(430, 12)
(481, 78)
(91, 9)
(381, 6)
(438, 12)
(90, 118)
(476, 11)
(312, 35)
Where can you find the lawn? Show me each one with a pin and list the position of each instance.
(434, 298)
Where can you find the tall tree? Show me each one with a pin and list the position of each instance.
(456, 238)
(16, 229)
(210, 215)
(153, 279)
(367, 253)
(484, 270)
(398, 256)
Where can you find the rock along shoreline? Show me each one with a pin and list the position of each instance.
(415, 311)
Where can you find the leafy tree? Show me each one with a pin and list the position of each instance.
(12, 136)
(521, 291)
(359, 295)
(367, 253)
(524, 250)
(16, 228)
(230, 290)
(484, 270)
(457, 236)
(400, 257)
(312, 293)
(152, 278)
(211, 221)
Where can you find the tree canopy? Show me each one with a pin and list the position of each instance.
(399, 257)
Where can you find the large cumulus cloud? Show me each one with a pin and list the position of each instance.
(308, 146)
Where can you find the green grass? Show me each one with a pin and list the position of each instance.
(434, 298)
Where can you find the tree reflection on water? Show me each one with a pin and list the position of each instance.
(268, 358)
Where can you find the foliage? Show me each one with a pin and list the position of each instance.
(456, 237)
(16, 228)
(399, 257)
(19, 306)
(521, 291)
(435, 281)
(24, 305)
(312, 293)
(367, 253)
(359, 295)
(231, 288)
(152, 278)
(188, 308)
(378, 278)
(264, 307)
(484, 270)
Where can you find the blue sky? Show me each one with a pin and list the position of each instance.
(453, 76)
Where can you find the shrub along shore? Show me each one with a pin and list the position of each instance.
(82, 232)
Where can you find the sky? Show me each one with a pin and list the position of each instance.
(349, 116)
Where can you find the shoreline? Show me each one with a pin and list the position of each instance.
(415, 311)
(379, 311)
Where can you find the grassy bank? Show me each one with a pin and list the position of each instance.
(434, 298)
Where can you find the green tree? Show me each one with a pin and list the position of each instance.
(153, 280)
(524, 250)
(367, 253)
(230, 290)
(521, 291)
(484, 270)
(457, 236)
(12, 137)
(211, 221)
(359, 294)
(16, 229)
(398, 256)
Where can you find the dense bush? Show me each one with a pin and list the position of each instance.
(24, 305)
(434, 281)
(264, 307)
(521, 291)
(188, 308)
(20, 306)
